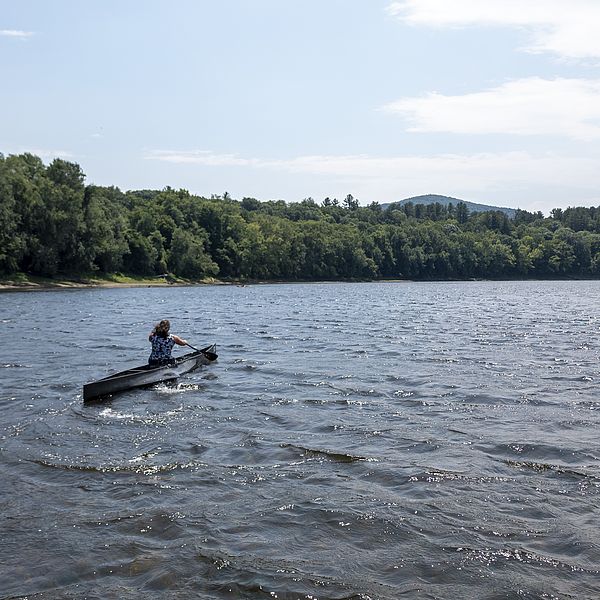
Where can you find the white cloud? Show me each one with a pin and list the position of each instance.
(45, 154)
(201, 157)
(532, 106)
(449, 173)
(567, 28)
(15, 33)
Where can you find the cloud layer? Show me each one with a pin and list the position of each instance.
(417, 174)
(569, 29)
(16, 33)
(45, 154)
(531, 106)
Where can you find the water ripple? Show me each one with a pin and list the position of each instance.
(367, 441)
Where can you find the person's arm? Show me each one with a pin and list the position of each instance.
(179, 341)
(150, 336)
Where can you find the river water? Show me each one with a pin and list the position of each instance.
(353, 441)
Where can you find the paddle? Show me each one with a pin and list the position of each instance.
(209, 355)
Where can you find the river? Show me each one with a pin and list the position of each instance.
(353, 441)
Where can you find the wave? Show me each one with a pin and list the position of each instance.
(142, 469)
(490, 557)
(439, 475)
(151, 419)
(332, 455)
(178, 388)
(254, 576)
(546, 467)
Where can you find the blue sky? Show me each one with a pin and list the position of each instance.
(493, 101)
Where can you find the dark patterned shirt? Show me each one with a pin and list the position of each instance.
(161, 347)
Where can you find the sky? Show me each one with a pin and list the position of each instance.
(490, 101)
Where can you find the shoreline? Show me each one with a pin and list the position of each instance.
(39, 284)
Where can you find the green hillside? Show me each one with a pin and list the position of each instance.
(446, 200)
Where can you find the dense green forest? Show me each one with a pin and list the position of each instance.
(52, 224)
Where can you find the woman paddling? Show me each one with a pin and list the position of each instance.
(162, 343)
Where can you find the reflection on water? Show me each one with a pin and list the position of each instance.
(353, 441)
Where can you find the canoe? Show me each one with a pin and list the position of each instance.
(148, 374)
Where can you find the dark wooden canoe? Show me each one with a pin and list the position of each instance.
(148, 375)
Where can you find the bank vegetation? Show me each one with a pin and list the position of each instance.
(52, 224)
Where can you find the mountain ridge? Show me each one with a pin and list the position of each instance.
(446, 200)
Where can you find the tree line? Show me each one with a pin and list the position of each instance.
(53, 224)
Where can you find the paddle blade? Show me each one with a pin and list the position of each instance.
(210, 355)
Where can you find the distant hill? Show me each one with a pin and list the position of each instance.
(445, 200)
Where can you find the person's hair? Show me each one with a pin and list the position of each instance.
(162, 329)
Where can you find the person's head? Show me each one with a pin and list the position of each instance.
(162, 328)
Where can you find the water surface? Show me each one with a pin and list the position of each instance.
(353, 441)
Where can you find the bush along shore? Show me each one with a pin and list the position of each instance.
(55, 227)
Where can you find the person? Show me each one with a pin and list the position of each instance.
(162, 343)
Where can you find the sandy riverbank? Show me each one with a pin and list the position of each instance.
(33, 284)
